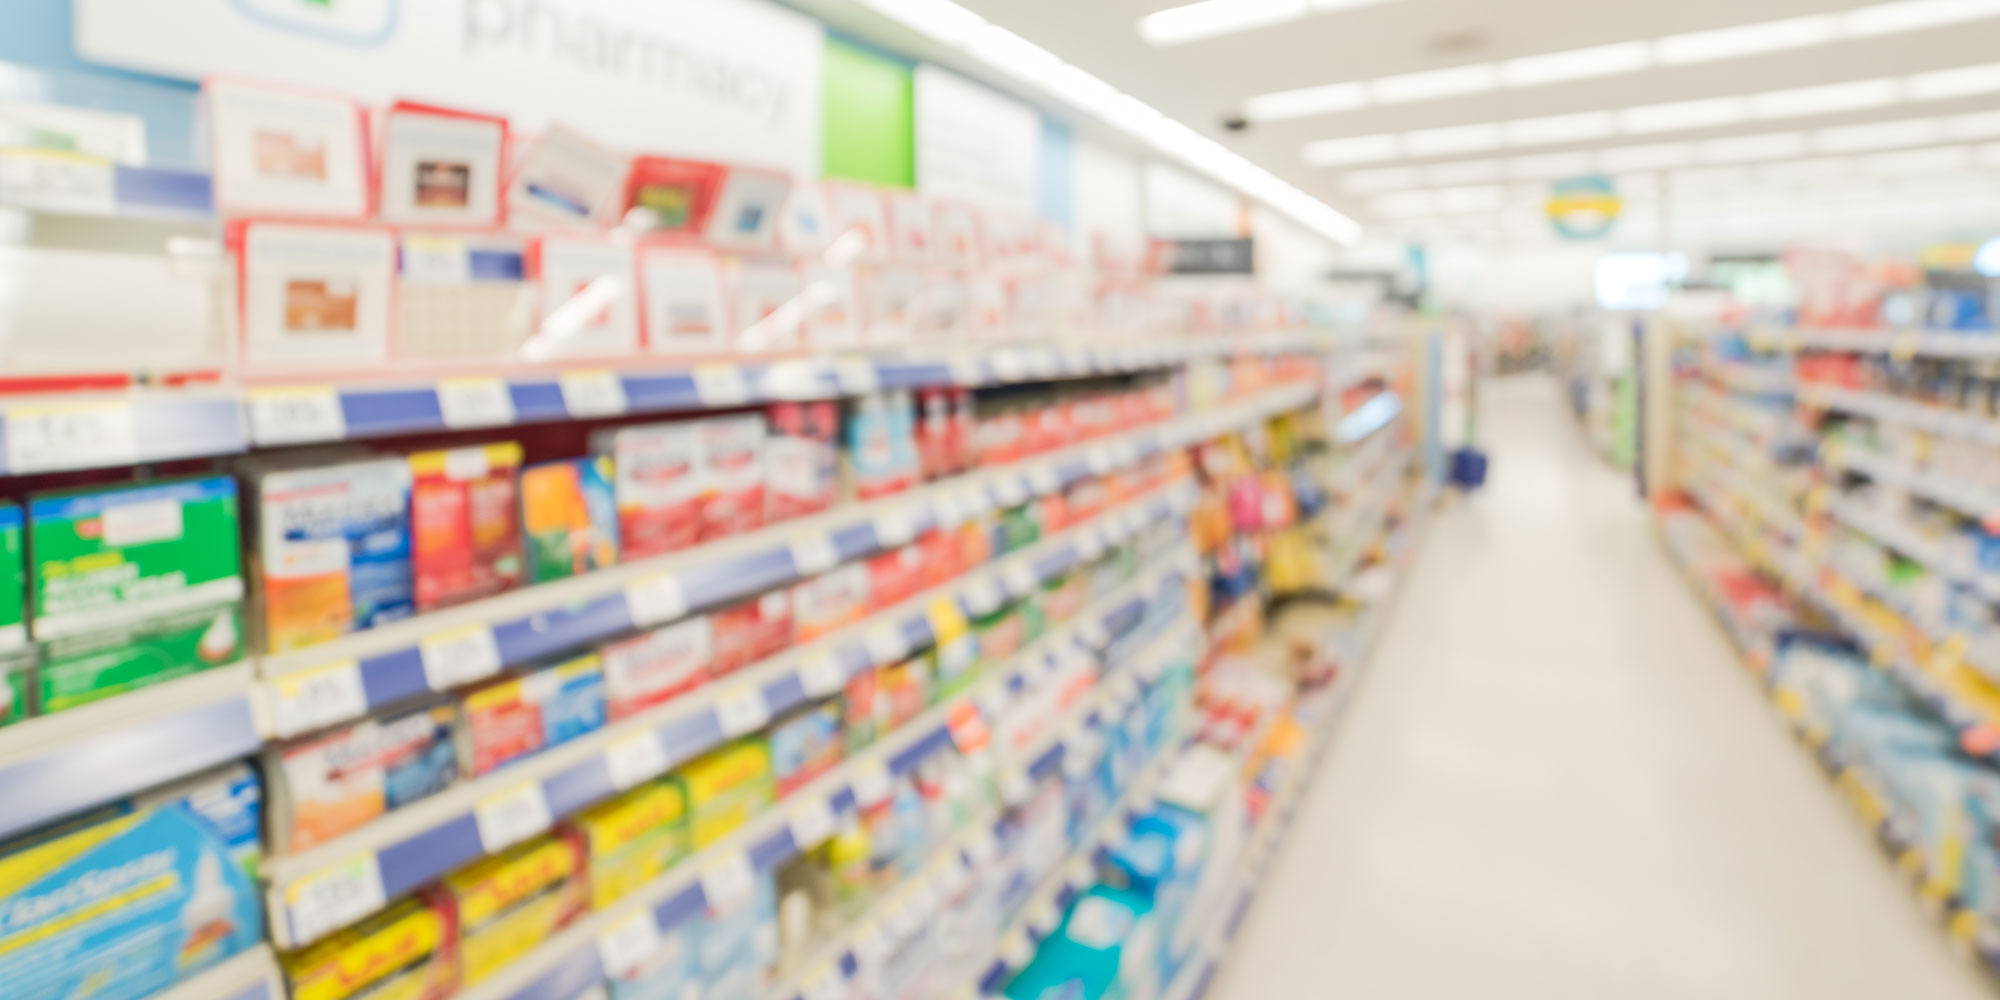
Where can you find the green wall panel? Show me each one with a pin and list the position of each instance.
(870, 113)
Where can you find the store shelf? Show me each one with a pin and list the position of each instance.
(66, 184)
(57, 765)
(388, 664)
(414, 845)
(252, 975)
(102, 430)
(1931, 553)
(1968, 344)
(1972, 501)
(1902, 412)
(571, 964)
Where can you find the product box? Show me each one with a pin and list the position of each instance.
(465, 529)
(895, 576)
(906, 690)
(511, 902)
(406, 952)
(124, 905)
(334, 551)
(831, 601)
(669, 974)
(732, 475)
(726, 788)
(315, 297)
(331, 784)
(569, 517)
(655, 667)
(134, 586)
(634, 838)
(657, 485)
(587, 306)
(802, 459)
(736, 948)
(521, 715)
(881, 445)
(753, 630)
(805, 744)
(1103, 950)
(16, 659)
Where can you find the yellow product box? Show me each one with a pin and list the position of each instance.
(634, 838)
(726, 788)
(406, 952)
(513, 901)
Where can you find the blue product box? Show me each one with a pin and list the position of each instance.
(669, 975)
(126, 903)
(735, 949)
(334, 551)
(1103, 950)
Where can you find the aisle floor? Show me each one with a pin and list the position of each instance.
(1556, 782)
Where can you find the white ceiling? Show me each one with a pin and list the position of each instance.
(1204, 82)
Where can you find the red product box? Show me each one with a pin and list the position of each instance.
(895, 577)
(465, 523)
(657, 482)
(655, 667)
(963, 422)
(942, 552)
(934, 432)
(802, 459)
(830, 601)
(732, 462)
(754, 630)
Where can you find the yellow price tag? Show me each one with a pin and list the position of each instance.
(947, 621)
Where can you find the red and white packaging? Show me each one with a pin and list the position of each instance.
(801, 459)
(657, 482)
(732, 474)
(895, 576)
(751, 631)
(831, 601)
(655, 667)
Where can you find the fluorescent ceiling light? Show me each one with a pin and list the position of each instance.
(1826, 100)
(1753, 148)
(1477, 78)
(1463, 172)
(1878, 135)
(1917, 161)
(1404, 204)
(1456, 139)
(1360, 149)
(1379, 180)
(1746, 40)
(1682, 115)
(940, 19)
(1656, 157)
(1559, 128)
(1714, 178)
(1012, 53)
(1481, 198)
(1080, 88)
(1945, 83)
(1914, 15)
(1979, 125)
(1550, 165)
(1209, 18)
(1989, 155)
(1799, 172)
(1577, 64)
(1301, 103)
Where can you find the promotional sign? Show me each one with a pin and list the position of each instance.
(1583, 208)
(730, 80)
(974, 144)
(1206, 256)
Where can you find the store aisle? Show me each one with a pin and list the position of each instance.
(1557, 783)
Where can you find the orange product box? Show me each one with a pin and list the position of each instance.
(465, 532)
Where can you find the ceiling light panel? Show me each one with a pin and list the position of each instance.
(1805, 171)
(1746, 40)
(1655, 157)
(1753, 148)
(1359, 149)
(1560, 128)
(1878, 135)
(1478, 198)
(1404, 205)
(1980, 125)
(1577, 64)
(1965, 81)
(1550, 165)
(1917, 161)
(1432, 84)
(1914, 15)
(1457, 139)
(1853, 96)
(1463, 172)
(1333, 97)
(1195, 21)
(1379, 180)
(1683, 115)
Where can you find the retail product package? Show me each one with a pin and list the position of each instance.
(281, 151)
(133, 586)
(892, 295)
(802, 458)
(126, 903)
(748, 205)
(833, 309)
(752, 630)
(16, 657)
(805, 744)
(681, 301)
(881, 444)
(657, 484)
(895, 576)
(763, 304)
(513, 901)
(655, 667)
(830, 601)
(1163, 862)
(524, 714)
(668, 973)
(463, 296)
(565, 181)
(732, 474)
(679, 194)
(1103, 950)
(944, 415)
(333, 551)
(465, 526)
(315, 297)
(342, 780)
(408, 951)
(569, 518)
(634, 838)
(726, 788)
(441, 166)
(736, 947)
(587, 305)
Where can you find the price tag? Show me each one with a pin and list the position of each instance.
(995, 698)
(1043, 917)
(1044, 481)
(1010, 365)
(628, 944)
(1904, 347)
(792, 380)
(822, 674)
(813, 554)
(1089, 545)
(1079, 872)
(870, 947)
(334, 898)
(721, 385)
(871, 783)
(886, 644)
(475, 402)
(635, 759)
(655, 601)
(904, 919)
(974, 501)
(1076, 359)
(311, 699)
(728, 882)
(948, 623)
(435, 260)
(1020, 578)
(811, 822)
(981, 596)
(856, 377)
(949, 511)
(966, 369)
(895, 526)
(459, 656)
(511, 817)
(1008, 491)
(592, 393)
(71, 436)
(1015, 950)
(742, 710)
(57, 181)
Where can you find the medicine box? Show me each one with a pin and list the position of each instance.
(408, 951)
(634, 838)
(569, 518)
(732, 475)
(513, 718)
(334, 551)
(656, 484)
(726, 788)
(511, 902)
(331, 784)
(465, 534)
(654, 667)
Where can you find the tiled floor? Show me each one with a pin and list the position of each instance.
(1556, 783)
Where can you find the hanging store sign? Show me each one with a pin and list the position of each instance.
(1583, 208)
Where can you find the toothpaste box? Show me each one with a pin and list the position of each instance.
(802, 458)
(654, 667)
(127, 903)
(515, 717)
(514, 900)
(732, 475)
(134, 586)
(570, 518)
(331, 784)
(657, 485)
(634, 838)
(465, 529)
(406, 952)
(333, 550)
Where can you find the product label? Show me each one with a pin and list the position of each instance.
(335, 546)
(13, 582)
(114, 557)
(658, 487)
(81, 669)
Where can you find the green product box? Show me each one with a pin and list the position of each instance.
(16, 659)
(134, 586)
